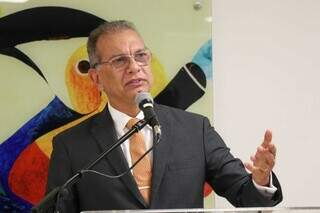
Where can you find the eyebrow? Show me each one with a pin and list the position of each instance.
(123, 54)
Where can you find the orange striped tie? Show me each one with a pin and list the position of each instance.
(142, 171)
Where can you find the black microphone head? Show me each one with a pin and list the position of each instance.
(142, 98)
(145, 102)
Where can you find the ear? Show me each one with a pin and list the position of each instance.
(94, 76)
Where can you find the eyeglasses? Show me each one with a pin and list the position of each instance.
(141, 57)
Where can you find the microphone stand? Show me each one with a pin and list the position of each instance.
(52, 201)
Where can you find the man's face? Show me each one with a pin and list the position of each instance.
(122, 84)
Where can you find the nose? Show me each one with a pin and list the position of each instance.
(133, 66)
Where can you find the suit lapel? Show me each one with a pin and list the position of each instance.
(105, 134)
(160, 153)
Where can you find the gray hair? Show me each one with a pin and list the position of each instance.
(107, 28)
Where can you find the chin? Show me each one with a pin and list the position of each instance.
(132, 93)
(141, 89)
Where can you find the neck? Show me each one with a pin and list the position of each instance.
(130, 109)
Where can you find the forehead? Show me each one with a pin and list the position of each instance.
(123, 42)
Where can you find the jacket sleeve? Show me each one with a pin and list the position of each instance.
(227, 174)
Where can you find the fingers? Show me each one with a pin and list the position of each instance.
(267, 138)
(263, 158)
(249, 166)
(272, 149)
(260, 176)
(256, 170)
(267, 144)
(262, 164)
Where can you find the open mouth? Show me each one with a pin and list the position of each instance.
(135, 82)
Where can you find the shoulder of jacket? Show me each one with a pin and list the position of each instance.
(163, 109)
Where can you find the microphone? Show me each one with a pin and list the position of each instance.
(145, 102)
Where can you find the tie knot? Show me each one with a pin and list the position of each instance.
(131, 122)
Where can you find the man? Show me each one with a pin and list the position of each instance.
(189, 154)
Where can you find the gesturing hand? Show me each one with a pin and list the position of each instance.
(263, 161)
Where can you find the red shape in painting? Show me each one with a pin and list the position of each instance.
(28, 176)
(207, 189)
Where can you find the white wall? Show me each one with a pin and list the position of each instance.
(267, 75)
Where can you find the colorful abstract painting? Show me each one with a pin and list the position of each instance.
(46, 89)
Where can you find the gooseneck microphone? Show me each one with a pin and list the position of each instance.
(145, 102)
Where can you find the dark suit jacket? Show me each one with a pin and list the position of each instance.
(190, 153)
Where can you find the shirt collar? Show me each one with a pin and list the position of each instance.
(120, 119)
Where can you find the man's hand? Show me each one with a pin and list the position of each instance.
(263, 161)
